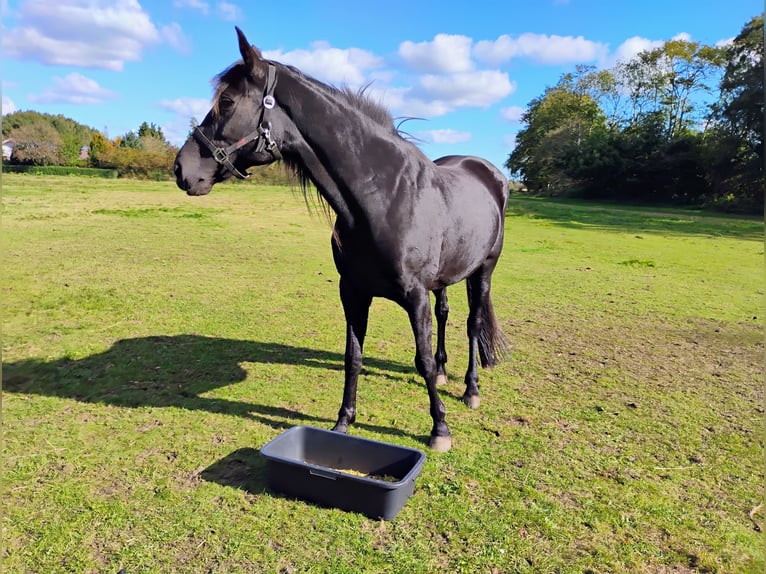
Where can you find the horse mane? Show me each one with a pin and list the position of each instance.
(362, 101)
(220, 82)
(357, 99)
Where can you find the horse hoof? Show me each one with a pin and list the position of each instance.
(440, 443)
(472, 401)
(441, 379)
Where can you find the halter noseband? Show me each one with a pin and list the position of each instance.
(261, 135)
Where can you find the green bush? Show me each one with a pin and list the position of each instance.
(60, 170)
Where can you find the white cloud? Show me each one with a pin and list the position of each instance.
(434, 95)
(446, 136)
(203, 7)
(445, 54)
(467, 89)
(513, 113)
(189, 107)
(73, 89)
(86, 33)
(225, 10)
(633, 46)
(725, 42)
(228, 11)
(174, 36)
(420, 108)
(401, 103)
(8, 106)
(540, 48)
(454, 81)
(332, 65)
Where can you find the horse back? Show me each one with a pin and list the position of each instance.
(481, 171)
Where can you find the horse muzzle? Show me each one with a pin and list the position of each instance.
(190, 179)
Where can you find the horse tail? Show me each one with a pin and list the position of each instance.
(493, 344)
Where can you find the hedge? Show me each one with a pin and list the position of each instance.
(60, 170)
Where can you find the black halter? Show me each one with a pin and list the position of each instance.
(261, 135)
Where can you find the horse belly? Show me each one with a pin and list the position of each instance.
(473, 237)
(365, 267)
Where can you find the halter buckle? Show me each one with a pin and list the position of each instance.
(220, 155)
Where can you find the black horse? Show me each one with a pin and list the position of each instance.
(405, 225)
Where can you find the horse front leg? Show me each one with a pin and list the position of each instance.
(356, 308)
(419, 311)
(441, 310)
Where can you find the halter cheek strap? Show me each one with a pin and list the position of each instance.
(261, 135)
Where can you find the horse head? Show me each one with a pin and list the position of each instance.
(241, 129)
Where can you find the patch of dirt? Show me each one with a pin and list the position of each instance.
(663, 569)
(687, 357)
(150, 425)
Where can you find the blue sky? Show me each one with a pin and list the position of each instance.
(467, 67)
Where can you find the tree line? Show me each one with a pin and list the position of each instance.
(682, 123)
(54, 140)
(41, 139)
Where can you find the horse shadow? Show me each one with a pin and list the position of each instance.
(243, 469)
(177, 371)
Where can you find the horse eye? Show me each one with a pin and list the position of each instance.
(225, 103)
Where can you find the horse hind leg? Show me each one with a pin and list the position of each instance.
(441, 310)
(418, 308)
(484, 334)
(473, 325)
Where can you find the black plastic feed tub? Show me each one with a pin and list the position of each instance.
(313, 464)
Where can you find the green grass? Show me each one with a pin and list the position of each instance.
(153, 343)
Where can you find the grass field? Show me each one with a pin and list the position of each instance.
(152, 343)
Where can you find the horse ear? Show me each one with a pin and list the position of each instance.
(250, 54)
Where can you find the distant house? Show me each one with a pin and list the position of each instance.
(84, 152)
(8, 149)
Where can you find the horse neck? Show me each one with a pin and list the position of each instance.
(351, 158)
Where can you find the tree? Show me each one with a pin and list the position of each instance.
(36, 144)
(147, 134)
(99, 148)
(556, 124)
(46, 139)
(147, 130)
(144, 153)
(643, 130)
(39, 145)
(193, 123)
(741, 104)
(69, 151)
(603, 87)
(672, 80)
(739, 118)
(130, 139)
